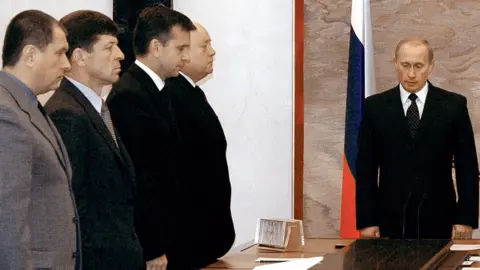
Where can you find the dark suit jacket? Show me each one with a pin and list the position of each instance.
(38, 224)
(103, 182)
(415, 191)
(144, 119)
(207, 179)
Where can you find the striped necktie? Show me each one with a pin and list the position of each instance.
(108, 121)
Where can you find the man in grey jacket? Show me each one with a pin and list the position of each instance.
(38, 221)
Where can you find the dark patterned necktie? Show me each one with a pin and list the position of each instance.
(108, 121)
(413, 115)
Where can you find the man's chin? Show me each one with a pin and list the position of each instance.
(411, 88)
(55, 86)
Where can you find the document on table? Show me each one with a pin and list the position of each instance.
(462, 247)
(474, 258)
(279, 259)
(297, 264)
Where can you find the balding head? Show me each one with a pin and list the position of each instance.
(200, 28)
(414, 63)
(201, 54)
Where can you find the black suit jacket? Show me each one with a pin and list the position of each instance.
(144, 118)
(415, 194)
(103, 182)
(207, 179)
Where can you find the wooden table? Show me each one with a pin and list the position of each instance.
(243, 257)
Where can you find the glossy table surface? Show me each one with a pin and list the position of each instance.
(360, 254)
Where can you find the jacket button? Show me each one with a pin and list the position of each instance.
(134, 235)
(74, 220)
(74, 255)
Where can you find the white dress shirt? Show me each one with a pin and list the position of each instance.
(91, 95)
(422, 97)
(155, 78)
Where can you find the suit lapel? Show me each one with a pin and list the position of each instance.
(429, 114)
(63, 148)
(93, 115)
(41, 122)
(128, 164)
(395, 107)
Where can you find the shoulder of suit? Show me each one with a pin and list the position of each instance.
(131, 93)
(61, 109)
(60, 99)
(380, 97)
(6, 97)
(127, 83)
(454, 97)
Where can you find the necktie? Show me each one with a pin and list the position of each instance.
(108, 121)
(413, 115)
(41, 109)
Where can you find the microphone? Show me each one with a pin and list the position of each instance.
(403, 215)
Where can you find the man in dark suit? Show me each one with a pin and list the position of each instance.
(203, 157)
(410, 134)
(38, 220)
(142, 112)
(103, 174)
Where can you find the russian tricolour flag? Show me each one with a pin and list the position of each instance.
(361, 83)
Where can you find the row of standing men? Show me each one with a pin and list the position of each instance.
(139, 181)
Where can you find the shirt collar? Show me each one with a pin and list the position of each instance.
(188, 79)
(91, 95)
(155, 78)
(422, 94)
(25, 88)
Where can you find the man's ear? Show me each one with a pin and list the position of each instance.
(29, 54)
(156, 48)
(79, 57)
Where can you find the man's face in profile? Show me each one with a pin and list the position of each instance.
(175, 53)
(201, 53)
(51, 63)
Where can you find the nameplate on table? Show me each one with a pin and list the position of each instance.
(280, 234)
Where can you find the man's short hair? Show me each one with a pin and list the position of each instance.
(156, 23)
(30, 27)
(415, 41)
(84, 27)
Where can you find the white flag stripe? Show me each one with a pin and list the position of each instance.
(370, 83)
(357, 19)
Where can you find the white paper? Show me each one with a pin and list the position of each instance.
(265, 259)
(461, 247)
(467, 263)
(474, 258)
(471, 268)
(297, 264)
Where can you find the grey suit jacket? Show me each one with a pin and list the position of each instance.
(38, 224)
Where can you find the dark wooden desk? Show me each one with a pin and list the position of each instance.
(243, 258)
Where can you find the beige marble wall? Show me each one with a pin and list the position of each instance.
(453, 29)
